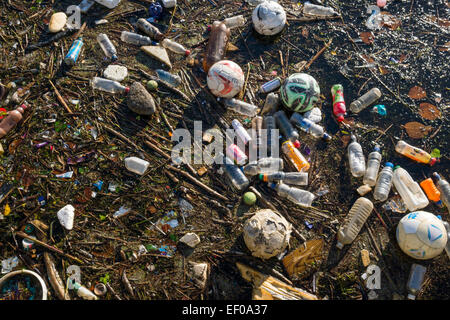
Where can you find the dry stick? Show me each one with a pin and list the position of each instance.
(60, 98)
(318, 54)
(113, 292)
(152, 146)
(197, 182)
(271, 206)
(122, 137)
(51, 248)
(80, 31)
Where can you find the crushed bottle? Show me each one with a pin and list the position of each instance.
(168, 77)
(375, 19)
(318, 11)
(444, 188)
(409, 190)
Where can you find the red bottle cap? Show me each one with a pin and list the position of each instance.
(188, 52)
(340, 118)
(126, 90)
(433, 161)
(297, 144)
(24, 107)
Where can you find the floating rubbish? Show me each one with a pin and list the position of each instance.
(123, 210)
(66, 175)
(396, 205)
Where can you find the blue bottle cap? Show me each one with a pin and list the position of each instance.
(272, 185)
(114, 58)
(326, 136)
(389, 164)
(438, 216)
(376, 148)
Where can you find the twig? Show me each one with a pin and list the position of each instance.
(60, 98)
(318, 54)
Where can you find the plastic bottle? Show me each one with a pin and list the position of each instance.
(354, 221)
(257, 135)
(375, 19)
(298, 196)
(109, 3)
(149, 29)
(414, 153)
(384, 183)
(236, 176)
(234, 22)
(309, 127)
(373, 166)
(271, 85)
(339, 109)
(431, 191)
(413, 197)
(318, 11)
(240, 106)
(107, 46)
(270, 126)
(296, 178)
(314, 115)
(83, 292)
(271, 104)
(444, 188)
(365, 100)
(447, 247)
(108, 85)
(168, 77)
(137, 39)
(217, 44)
(175, 47)
(294, 155)
(415, 280)
(356, 158)
(235, 153)
(169, 3)
(285, 126)
(85, 5)
(136, 165)
(263, 165)
(241, 132)
(11, 120)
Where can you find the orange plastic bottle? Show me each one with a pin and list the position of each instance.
(431, 191)
(11, 120)
(217, 44)
(297, 159)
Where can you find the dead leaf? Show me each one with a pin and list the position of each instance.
(383, 70)
(402, 58)
(417, 130)
(368, 59)
(445, 47)
(429, 111)
(305, 32)
(13, 146)
(367, 37)
(444, 23)
(417, 93)
(231, 47)
(390, 21)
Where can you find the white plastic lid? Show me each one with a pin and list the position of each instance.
(411, 296)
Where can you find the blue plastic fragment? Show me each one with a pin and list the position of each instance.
(98, 185)
(42, 201)
(155, 11)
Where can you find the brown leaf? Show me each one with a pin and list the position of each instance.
(383, 70)
(402, 58)
(429, 111)
(368, 59)
(390, 21)
(417, 93)
(13, 146)
(444, 23)
(444, 47)
(305, 32)
(367, 37)
(417, 130)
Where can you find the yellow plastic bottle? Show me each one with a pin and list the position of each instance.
(297, 159)
(414, 153)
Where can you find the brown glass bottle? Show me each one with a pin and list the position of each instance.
(11, 120)
(217, 44)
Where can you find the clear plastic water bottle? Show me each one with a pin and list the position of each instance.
(270, 126)
(444, 188)
(137, 39)
(365, 100)
(263, 165)
(354, 221)
(295, 178)
(373, 166)
(415, 280)
(309, 127)
(175, 47)
(356, 158)
(241, 132)
(83, 292)
(149, 29)
(257, 123)
(168, 77)
(108, 85)
(271, 103)
(410, 191)
(236, 176)
(384, 183)
(318, 11)
(285, 126)
(240, 106)
(107, 46)
(85, 5)
(375, 19)
(298, 196)
(271, 85)
(234, 22)
(109, 3)
(235, 153)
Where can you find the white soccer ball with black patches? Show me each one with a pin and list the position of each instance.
(267, 234)
(421, 235)
(225, 79)
(269, 18)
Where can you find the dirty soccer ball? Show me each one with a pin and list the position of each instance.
(299, 92)
(269, 18)
(225, 79)
(421, 235)
(266, 234)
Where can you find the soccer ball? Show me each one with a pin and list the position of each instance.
(225, 79)
(266, 234)
(421, 235)
(299, 92)
(269, 18)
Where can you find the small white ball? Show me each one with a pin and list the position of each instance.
(225, 79)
